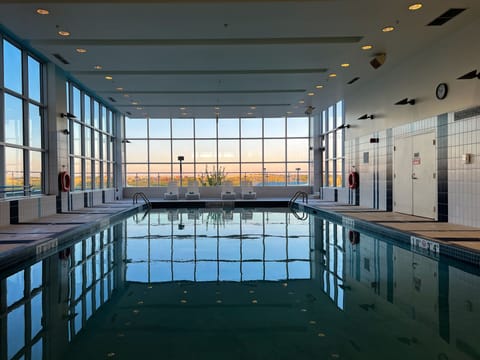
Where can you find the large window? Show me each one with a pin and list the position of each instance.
(261, 151)
(22, 103)
(333, 135)
(91, 130)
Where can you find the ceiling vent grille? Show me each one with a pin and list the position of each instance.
(446, 16)
(61, 59)
(112, 99)
(466, 114)
(353, 80)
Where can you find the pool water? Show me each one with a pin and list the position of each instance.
(238, 284)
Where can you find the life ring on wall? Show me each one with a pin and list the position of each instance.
(353, 180)
(64, 179)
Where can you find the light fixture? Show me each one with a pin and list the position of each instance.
(183, 108)
(301, 102)
(311, 94)
(343, 126)
(66, 131)
(470, 75)
(332, 75)
(289, 112)
(367, 47)
(217, 108)
(365, 117)
(414, 7)
(98, 67)
(64, 33)
(345, 65)
(139, 108)
(81, 50)
(387, 29)
(134, 102)
(108, 77)
(319, 86)
(119, 89)
(253, 107)
(43, 12)
(406, 101)
(126, 95)
(68, 115)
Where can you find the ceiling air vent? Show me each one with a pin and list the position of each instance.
(61, 59)
(446, 16)
(353, 80)
(112, 99)
(468, 113)
(128, 113)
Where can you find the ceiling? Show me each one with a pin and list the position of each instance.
(184, 58)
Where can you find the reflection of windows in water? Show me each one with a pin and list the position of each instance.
(417, 283)
(366, 264)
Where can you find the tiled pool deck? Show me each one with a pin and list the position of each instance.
(44, 235)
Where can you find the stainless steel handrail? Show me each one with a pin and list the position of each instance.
(143, 196)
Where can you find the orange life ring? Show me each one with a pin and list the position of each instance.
(64, 181)
(353, 180)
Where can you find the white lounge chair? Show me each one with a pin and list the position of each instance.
(227, 191)
(248, 192)
(172, 191)
(192, 191)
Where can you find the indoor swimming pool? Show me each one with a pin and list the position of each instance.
(238, 284)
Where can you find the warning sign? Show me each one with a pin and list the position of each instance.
(416, 159)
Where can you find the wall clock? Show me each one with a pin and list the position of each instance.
(441, 91)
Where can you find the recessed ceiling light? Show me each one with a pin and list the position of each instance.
(64, 33)
(81, 50)
(301, 102)
(126, 95)
(289, 112)
(311, 94)
(43, 12)
(319, 86)
(182, 108)
(332, 75)
(217, 108)
(120, 89)
(98, 67)
(108, 77)
(414, 7)
(388, 29)
(345, 65)
(249, 113)
(184, 114)
(134, 102)
(367, 47)
(139, 108)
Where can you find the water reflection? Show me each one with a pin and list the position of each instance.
(243, 284)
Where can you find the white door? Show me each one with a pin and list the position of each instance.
(415, 183)
(424, 175)
(402, 176)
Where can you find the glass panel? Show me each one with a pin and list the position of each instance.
(15, 330)
(88, 142)
(206, 128)
(251, 128)
(339, 143)
(97, 174)
(105, 174)
(76, 103)
(274, 150)
(96, 114)
(35, 125)
(274, 127)
(228, 151)
(183, 148)
(297, 127)
(36, 315)
(36, 275)
(251, 150)
(297, 149)
(136, 175)
(160, 174)
(12, 67)
(297, 173)
(331, 119)
(182, 128)
(205, 151)
(96, 144)
(77, 180)
(36, 171)
(160, 151)
(13, 120)
(104, 118)
(339, 112)
(77, 139)
(105, 139)
(14, 168)
(15, 287)
(136, 151)
(274, 174)
(231, 173)
(33, 79)
(135, 128)
(228, 128)
(109, 121)
(339, 178)
(88, 174)
(252, 173)
(88, 110)
(159, 128)
(207, 174)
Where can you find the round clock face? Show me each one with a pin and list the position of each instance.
(441, 91)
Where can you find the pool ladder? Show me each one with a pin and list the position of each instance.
(294, 198)
(143, 196)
